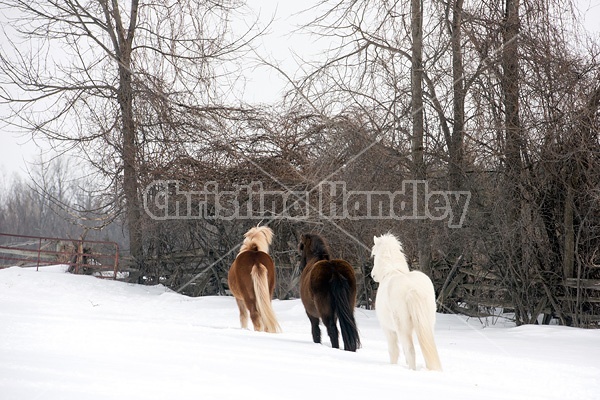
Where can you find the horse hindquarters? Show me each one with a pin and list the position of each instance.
(266, 316)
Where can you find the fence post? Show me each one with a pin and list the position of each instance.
(78, 258)
(116, 261)
(37, 266)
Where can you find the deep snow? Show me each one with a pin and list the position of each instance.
(77, 337)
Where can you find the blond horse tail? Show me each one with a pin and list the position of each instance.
(263, 298)
(423, 317)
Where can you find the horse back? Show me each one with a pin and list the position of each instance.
(395, 293)
(318, 277)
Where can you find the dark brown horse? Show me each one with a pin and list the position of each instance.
(251, 280)
(328, 292)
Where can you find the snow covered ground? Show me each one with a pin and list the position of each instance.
(77, 337)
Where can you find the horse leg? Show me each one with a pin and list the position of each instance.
(330, 322)
(243, 313)
(323, 306)
(393, 350)
(409, 349)
(255, 316)
(316, 331)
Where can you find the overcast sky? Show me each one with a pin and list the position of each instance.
(262, 85)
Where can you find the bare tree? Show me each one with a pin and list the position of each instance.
(498, 100)
(118, 80)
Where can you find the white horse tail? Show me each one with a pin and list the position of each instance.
(263, 298)
(422, 311)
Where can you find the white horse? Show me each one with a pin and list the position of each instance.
(405, 303)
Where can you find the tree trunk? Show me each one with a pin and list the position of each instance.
(419, 170)
(455, 147)
(569, 256)
(124, 45)
(130, 179)
(513, 164)
(510, 84)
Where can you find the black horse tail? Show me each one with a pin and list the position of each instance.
(342, 305)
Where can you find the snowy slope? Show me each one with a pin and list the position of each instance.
(77, 337)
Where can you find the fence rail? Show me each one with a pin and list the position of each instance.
(90, 257)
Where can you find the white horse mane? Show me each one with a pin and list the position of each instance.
(389, 256)
(259, 237)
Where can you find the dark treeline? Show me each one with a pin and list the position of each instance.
(490, 179)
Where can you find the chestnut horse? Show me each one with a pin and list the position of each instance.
(251, 280)
(328, 292)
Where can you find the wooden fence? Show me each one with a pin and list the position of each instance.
(91, 257)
